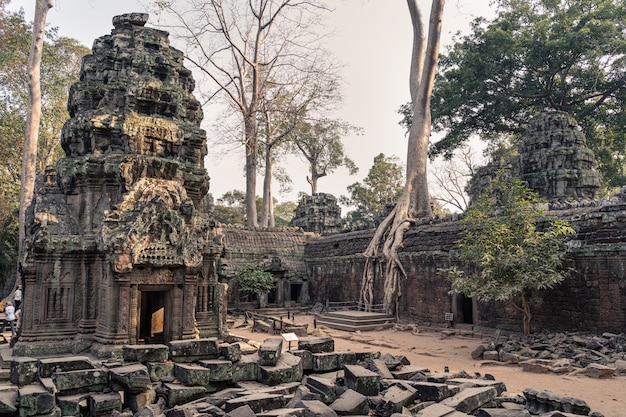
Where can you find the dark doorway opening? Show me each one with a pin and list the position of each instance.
(152, 317)
(466, 306)
(295, 292)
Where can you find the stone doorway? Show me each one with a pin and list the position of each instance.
(153, 313)
(464, 309)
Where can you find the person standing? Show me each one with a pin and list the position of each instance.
(10, 318)
(17, 297)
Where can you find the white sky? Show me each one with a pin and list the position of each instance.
(373, 41)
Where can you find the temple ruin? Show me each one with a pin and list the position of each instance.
(121, 248)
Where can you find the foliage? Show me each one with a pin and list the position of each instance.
(251, 279)
(230, 208)
(508, 249)
(566, 55)
(380, 189)
(284, 212)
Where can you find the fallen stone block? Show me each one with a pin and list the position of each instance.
(246, 368)
(35, 400)
(270, 351)
(501, 412)
(538, 366)
(103, 404)
(325, 388)
(317, 344)
(193, 350)
(325, 362)
(345, 358)
(192, 374)
(306, 356)
(48, 366)
(257, 402)
(350, 403)
(471, 399)
(432, 391)
(408, 371)
(182, 411)
(133, 379)
(243, 411)
(440, 410)
(81, 381)
(177, 394)
(380, 367)
(139, 400)
(145, 353)
(70, 405)
(230, 351)
(24, 370)
(491, 355)
(315, 408)
(498, 385)
(287, 369)
(8, 401)
(361, 380)
(302, 393)
(595, 370)
(397, 397)
(161, 371)
(219, 370)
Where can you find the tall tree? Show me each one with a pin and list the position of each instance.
(320, 143)
(414, 202)
(245, 48)
(509, 249)
(567, 55)
(33, 117)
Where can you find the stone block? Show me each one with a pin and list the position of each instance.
(306, 356)
(325, 362)
(288, 369)
(257, 402)
(48, 366)
(35, 400)
(8, 401)
(230, 351)
(243, 411)
(361, 380)
(192, 374)
(380, 367)
(409, 372)
(160, 371)
(345, 358)
(325, 388)
(595, 370)
(193, 350)
(286, 412)
(501, 412)
(220, 370)
(440, 410)
(469, 382)
(397, 397)
(317, 344)
(537, 366)
(80, 381)
(471, 399)
(182, 411)
(314, 408)
(136, 401)
(246, 368)
(270, 351)
(350, 403)
(24, 370)
(177, 394)
(432, 391)
(145, 353)
(131, 378)
(70, 405)
(104, 404)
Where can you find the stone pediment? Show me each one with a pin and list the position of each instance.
(156, 224)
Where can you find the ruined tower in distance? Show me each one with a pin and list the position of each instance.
(120, 247)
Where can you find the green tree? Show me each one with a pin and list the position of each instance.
(284, 213)
(566, 55)
(509, 250)
(381, 188)
(249, 279)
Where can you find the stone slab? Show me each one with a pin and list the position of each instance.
(133, 379)
(145, 353)
(361, 380)
(48, 366)
(270, 351)
(287, 369)
(193, 350)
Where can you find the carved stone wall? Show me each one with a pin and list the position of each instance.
(319, 214)
(120, 233)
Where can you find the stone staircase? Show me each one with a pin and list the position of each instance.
(352, 320)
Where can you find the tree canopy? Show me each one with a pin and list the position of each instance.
(509, 250)
(566, 55)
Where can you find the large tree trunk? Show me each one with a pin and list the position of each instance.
(31, 135)
(267, 212)
(252, 153)
(414, 202)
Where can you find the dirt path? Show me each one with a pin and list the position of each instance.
(435, 351)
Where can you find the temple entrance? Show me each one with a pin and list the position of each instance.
(152, 317)
(465, 309)
(296, 289)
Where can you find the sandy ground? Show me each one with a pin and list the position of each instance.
(433, 350)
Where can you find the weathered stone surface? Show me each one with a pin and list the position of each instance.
(131, 378)
(246, 369)
(471, 399)
(145, 353)
(595, 370)
(440, 410)
(70, 404)
(101, 405)
(80, 381)
(345, 358)
(270, 351)
(500, 412)
(351, 403)
(8, 401)
(177, 394)
(48, 366)
(192, 374)
(317, 344)
(306, 356)
(257, 402)
(286, 412)
(432, 391)
(160, 371)
(325, 362)
(380, 367)
(242, 411)
(288, 369)
(538, 366)
(473, 382)
(361, 380)
(219, 370)
(396, 397)
(35, 400)
(194, 349)
(409, 372)
(319, 214)
(230, 351)
(136, 401)
(24, 370)
(316, 408)
(325, 388)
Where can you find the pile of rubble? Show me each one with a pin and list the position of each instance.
(206, 377)
(595, 356)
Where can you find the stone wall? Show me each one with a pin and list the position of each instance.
(592, 299)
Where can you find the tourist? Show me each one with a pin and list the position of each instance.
(10, 318)
(17, 297)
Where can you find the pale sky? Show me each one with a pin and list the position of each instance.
(372, 40)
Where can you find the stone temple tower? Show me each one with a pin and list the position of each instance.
(120, 247)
